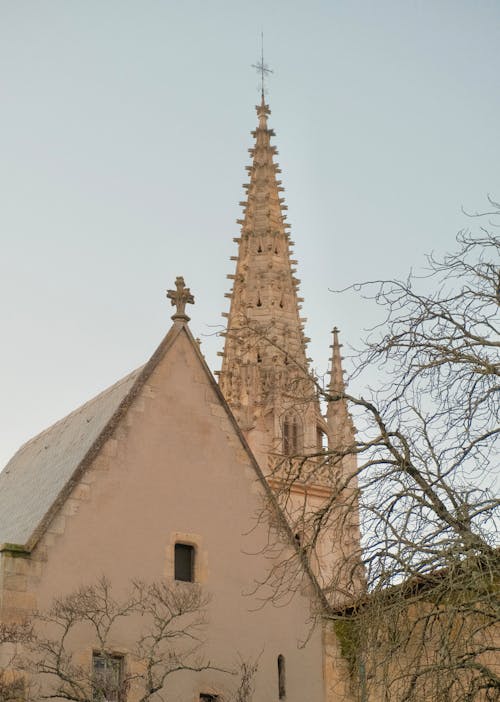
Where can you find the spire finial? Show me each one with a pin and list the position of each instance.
(262, 68)
(179, 298)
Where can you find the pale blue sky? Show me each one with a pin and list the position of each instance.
(124, 135)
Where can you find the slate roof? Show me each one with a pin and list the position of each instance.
(34, 477)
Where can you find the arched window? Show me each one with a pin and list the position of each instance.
(292, 434)
(321, 439)
(281, 677)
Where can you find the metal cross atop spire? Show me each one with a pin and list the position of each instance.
(262, 67)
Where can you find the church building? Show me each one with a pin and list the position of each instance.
(166, 492)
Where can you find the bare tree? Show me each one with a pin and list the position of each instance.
(71, 651)
(13, 635)
(162, 627)
(245, 689)
(422, 621)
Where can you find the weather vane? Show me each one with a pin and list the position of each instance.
(262, 67)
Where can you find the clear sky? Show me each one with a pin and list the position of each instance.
(124, 134)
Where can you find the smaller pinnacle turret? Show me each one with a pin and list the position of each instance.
(342, 445)
(337, 384)
(340, 425)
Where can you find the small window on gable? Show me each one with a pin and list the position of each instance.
(292, 434)
(107, 677)
(184, 563)
(281, 677)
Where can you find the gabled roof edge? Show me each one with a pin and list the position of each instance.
(103, 436)
(283, 523)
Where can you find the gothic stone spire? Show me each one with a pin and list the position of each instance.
(264, 360)
(264, 374)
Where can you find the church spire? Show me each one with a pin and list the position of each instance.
(264, 210)
(265, 358)
(265, 377)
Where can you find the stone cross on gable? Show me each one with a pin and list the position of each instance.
(179, 298)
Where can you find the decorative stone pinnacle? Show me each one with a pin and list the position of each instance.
(263, 112)
(336, 374)
(335, 332)
(179, 298)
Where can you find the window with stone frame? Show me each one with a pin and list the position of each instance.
(184, 562)
(208, 697)
(107, 677)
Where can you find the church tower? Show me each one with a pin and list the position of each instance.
(264, 374)
(307, 458)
